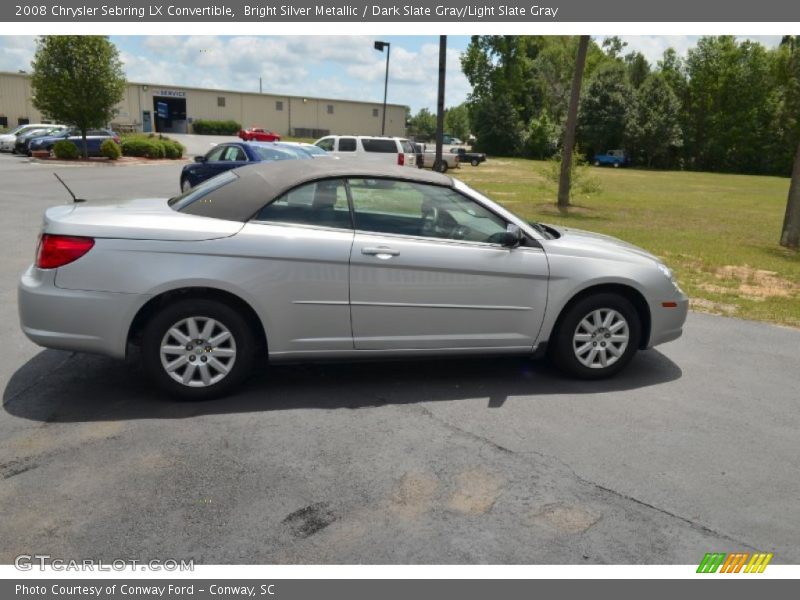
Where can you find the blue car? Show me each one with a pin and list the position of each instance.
(94, 139)
(231, 155)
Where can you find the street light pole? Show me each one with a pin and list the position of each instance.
(380, 46)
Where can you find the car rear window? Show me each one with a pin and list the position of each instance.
(407, 147)
(347, 144)
(268, 153)
(373, 145)
(179, 203)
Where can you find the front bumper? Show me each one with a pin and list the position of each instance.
(75, 320)
(667, 322)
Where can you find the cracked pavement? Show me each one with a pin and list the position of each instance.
(693, 449)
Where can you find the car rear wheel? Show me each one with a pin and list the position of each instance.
(198, 349)
(440, 166)
(475, 162)
(597, 163)
(597, 337)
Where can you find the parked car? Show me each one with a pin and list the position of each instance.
(7, 140)
(371, 148)
(449, 161)
(473, 158)
(292, 261)
(314, 151)
(257, 134)
(24, 140)
(614, 158)
(233, 155)
(94, 139)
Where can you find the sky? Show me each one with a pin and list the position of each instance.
(346, 67)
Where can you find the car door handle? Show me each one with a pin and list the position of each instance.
(382, 252)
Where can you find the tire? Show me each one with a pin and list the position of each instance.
(616, 165)
(222, 369)
(475, 162)
(441, 167)
(597, 163)
(571, 355)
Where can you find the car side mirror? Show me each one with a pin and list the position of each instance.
(200, 159)
(513, 236)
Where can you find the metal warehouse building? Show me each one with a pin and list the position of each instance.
(172, 109)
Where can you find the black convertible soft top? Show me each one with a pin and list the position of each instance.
(259, 184)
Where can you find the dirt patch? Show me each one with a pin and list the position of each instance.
(709, 306)
(309, 520)
(414, 495)
(569, 519)
(758, 284)
(476, 493)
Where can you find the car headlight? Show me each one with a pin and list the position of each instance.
(666, 271)
(668, 274)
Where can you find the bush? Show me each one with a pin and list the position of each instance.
(151, 146)
(65, 149)
(110, 149)
(207, 127)
(172, 149)
(583, 183)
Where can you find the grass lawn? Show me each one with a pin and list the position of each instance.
(718, 232)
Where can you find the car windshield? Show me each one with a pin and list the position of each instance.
(185, 199)
(545, 231)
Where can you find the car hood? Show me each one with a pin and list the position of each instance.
(588, 242)
(141, 219)
(7, 137)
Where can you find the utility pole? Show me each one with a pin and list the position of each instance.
(380, 46)
(437, 163)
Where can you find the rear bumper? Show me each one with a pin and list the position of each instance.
(75, 320)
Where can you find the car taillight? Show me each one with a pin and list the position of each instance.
(401, 159)
(58, 250)
(116, 139)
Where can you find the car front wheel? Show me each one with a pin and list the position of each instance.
(597, 337)
(198, 349)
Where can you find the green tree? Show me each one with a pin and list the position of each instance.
(638, 68)
(605, 109)
(614, 46)
(731, 104)
(498, 128)
(456, 121)
(77, 80)
(423, 124)
(654, 127)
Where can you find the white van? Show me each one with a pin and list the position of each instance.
(391, 150)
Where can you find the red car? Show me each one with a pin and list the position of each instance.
(259, 135)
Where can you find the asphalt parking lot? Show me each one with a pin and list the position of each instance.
(693, 449)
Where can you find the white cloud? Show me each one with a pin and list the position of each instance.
(16, 52)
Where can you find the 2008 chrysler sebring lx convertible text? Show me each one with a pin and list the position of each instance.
(304, 260)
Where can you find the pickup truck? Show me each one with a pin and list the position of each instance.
(473, 158)
(449, 161)
(615, 158)
(257, 134)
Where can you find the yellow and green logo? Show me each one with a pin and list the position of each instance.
(735, 562)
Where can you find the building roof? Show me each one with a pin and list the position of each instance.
(228, 91)
(260, 183)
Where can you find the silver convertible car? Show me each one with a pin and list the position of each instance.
(310, 260)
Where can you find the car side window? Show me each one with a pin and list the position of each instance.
(347, 144)
(234, 153)
(326, 144)
(215, 154)
(320, 203)
(422, 210)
